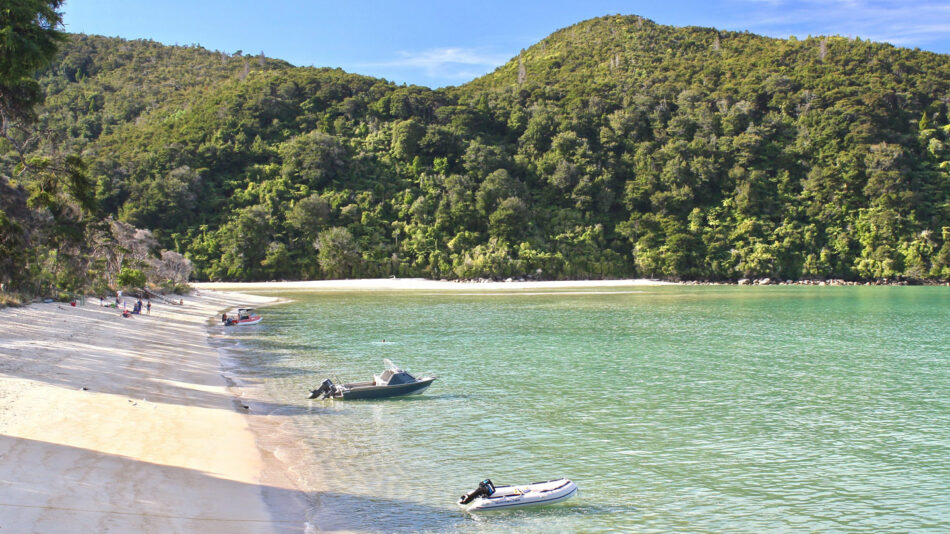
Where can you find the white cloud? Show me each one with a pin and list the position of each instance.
(901, 22)
(452, 63)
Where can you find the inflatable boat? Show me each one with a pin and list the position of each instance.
(490, 497)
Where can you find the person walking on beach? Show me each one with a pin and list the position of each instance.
(148, 308)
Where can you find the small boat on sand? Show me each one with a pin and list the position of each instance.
(244, 317)
(487, 496)
(391, 383)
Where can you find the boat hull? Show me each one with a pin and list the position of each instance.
(359, 391)
(536, 494)
(247, 322)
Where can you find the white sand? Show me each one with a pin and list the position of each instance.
(417, 284)
(155, 442)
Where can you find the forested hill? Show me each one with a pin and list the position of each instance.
(612, 148)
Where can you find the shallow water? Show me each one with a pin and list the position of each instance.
(701, 409)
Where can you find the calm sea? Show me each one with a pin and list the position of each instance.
(674, 409)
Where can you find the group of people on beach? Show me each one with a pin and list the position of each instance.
(136, 308)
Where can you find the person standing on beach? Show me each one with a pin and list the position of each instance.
(148, 308)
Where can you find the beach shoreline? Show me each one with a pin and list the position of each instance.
(128, 424)
(422, 284)
(132, 424)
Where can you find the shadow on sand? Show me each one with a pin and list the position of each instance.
(45, 487)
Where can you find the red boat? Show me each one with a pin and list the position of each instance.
(244, 317)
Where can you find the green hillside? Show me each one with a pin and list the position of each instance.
(612, 148)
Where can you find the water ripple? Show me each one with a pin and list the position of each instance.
(675, 409)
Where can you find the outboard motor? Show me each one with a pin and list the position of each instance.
(485, 488)
(325, 389)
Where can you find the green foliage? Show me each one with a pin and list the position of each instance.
(131, 278)
(46, 198)
(309, 215)
(29, 36)
(338, 253)
(615, 147)
(245, 241)
(29, 39)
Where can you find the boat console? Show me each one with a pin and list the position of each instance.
(392, 377)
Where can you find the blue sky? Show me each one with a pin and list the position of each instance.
(449, 42)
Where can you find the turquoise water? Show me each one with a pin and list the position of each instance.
(674, 409)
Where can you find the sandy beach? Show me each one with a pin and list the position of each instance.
(111, 424)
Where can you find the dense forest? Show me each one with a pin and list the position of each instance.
(613, 148)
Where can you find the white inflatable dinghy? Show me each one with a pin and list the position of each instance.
(490, 497)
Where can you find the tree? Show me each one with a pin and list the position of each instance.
(244, 242)
(13, 235)
(49, 225)
(481, 159)
(173, 268)
(168, 201)
(406, 137)
(684, 162)
(497, 186)
(314, 158)
(131, 278)
(509, 220)
(338, 254)
(29, 38)
(309, 215)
